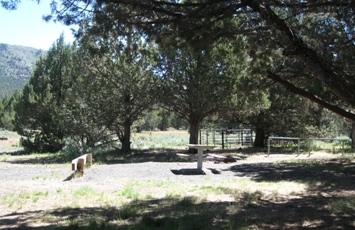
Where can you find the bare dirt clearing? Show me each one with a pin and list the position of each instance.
(280, 191)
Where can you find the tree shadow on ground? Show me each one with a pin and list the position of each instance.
(320, 175)
(107, 157)
(116, 156)
(24, 157)
(247, 212)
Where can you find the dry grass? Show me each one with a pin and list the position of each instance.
(281, 191)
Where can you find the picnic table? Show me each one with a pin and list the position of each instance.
(200, 149)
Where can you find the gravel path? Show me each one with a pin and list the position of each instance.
(17, 180)
(104, 174)
(20, 182)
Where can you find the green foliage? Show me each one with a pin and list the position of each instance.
(130, 193)
(342, 205)
(159, 140)
(73, 149)
(84, 191)
(38, 112)
(162, 119)
(198, 80)
(210, 65)
(122, 72)
(7, 111)
(313, 37)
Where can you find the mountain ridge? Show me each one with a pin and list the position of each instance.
(16, 65)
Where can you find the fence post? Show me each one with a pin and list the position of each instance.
(268, 146)
(200, 136)
(222, 139)
(242, 134)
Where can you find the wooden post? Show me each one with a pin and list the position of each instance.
(73, 166)
(80, 165)
(89, 159)
(222, 138)
(242, 133)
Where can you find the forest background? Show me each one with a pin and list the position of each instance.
(118, 78)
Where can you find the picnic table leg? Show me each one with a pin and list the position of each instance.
(199, 159)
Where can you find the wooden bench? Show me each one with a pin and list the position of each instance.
(78, 163)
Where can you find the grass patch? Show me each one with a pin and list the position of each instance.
(210, 189)
(84, 191)
(293, 194)
(128, 211)
(18, 200)
(342, 205)
(186, 202)
(130, 193)
(13, 200)
(36, 195)
(159, 140)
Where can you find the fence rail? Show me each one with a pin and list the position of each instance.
(342, 140)
(226, 138)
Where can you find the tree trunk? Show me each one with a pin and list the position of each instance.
(194, 131)
(126, 140)
(352, 134)
(259, 138)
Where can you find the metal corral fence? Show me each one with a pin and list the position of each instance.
(307, 144)
(226, 138)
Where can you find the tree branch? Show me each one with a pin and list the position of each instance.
(310, 96)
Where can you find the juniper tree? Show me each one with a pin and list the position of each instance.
(121, 80)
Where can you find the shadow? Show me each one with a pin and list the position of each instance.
(141, 156)
(16, 152)
(74, 175)
(325, 175)
(116, 156)
(242, 151)
(249, 211)
(215, 171)
(188, 171)
(106, 157)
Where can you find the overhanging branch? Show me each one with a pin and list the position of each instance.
(310, 96)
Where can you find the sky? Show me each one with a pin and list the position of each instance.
(26, 27)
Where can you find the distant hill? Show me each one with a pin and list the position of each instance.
(16, 64)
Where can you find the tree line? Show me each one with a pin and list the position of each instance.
(205, 62)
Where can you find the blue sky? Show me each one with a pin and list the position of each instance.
(25, 26)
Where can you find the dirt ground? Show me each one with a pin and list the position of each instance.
(280, 191)
(10, 145)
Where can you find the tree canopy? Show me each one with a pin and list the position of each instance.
(305, 46)
(316, 35)
(197, 82)
(121, 79)
(38, 115)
